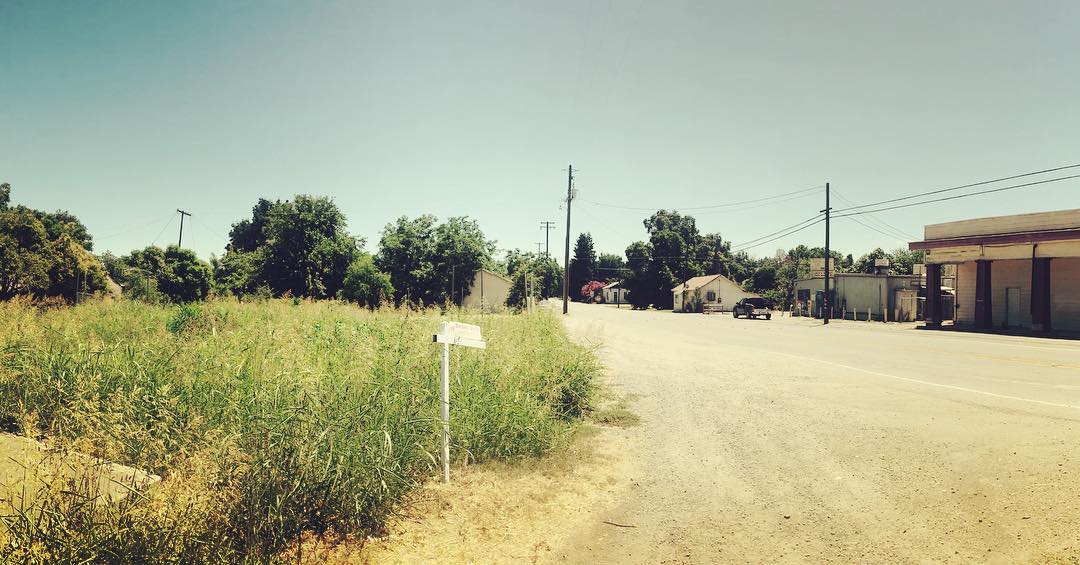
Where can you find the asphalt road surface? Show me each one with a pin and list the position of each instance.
(788, 441)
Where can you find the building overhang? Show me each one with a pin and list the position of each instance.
(999, 239)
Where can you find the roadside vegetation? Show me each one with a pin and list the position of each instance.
(266, 420)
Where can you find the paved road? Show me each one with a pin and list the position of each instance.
(789, 441)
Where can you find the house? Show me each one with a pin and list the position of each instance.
(488, 291)
(694, 294)
(1018, 271)
(861, 296)
(614, 293)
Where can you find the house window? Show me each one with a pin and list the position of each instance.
(711, 296)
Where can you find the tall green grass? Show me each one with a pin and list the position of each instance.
(265, 420)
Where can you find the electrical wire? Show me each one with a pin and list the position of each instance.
(950, 189)
(958, 196)
(886, 228)
(816, 216)
(158, 236)
(708, 207)
(781, 236)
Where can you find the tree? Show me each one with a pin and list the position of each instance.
(865, 264)
(432, 263)
(583, 263)
(610, 266)
(306, 251)
(763, 279)
(236, 273)
(44, 254)
(365, 284)
(295, 247)
(639, 281)
(903, 260)
(173, 274)
(545, 276)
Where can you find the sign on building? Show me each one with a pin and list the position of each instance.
(817, 267)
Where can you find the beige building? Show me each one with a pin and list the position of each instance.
(614, 293)
(488, 291)
(694, 294)
(1020, 271)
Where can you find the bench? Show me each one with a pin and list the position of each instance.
(712, 308)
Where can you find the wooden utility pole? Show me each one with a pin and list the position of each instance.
(566, 256)
(826, 304)
(547, 227)
(180, 242)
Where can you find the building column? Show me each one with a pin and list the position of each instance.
(1040, 294)
(932, 315)
(984, 309)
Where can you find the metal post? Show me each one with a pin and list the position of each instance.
(826, 304)
(446, 412)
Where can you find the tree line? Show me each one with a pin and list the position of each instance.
(298, 247)
(676, 250)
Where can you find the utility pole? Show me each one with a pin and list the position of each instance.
(827, 304)
(566, 256)
(180, 242)
(547, 227)
(540, 248)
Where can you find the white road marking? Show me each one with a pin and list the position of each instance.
(931, 383)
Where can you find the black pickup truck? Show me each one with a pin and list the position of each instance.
(752, 308)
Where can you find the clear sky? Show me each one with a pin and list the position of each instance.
(122, 112)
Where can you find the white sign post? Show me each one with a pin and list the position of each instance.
(452, 333)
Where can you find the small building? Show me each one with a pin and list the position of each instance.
(694, 294)
(488, 291)
(861, 296)
(614, 293)
(1018, 271)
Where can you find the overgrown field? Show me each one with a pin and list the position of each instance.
(264, 420)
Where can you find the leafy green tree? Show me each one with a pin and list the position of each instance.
(640, 280)
(236, 273)
(44, 254)
(407, 254)
(60, 223)
(582, 264)
(865, 264)
(306, 250)
(610, 266)
(764, 278)
(249, 235)
(177, 274)
(545, 276)
(431, 263)
(903, 260)
(365, 284)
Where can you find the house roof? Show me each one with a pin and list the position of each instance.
(613, 284)
(490, 273)
(696, 282)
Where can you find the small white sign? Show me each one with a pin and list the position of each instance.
(456, 333)
(452, 333)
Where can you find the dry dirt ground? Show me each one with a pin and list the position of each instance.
(788, 441)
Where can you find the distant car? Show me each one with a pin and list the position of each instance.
(752, 308)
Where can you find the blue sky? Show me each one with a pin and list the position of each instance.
(122, 112)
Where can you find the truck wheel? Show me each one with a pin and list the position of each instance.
(735, 314)
(768, 316)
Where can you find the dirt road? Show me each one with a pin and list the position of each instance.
(786, 441)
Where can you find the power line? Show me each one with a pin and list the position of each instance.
(942, 190)
(781, 236)
(708, 207)
(753, 241)
(887, 229)
(158, 236)
(958, 196)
